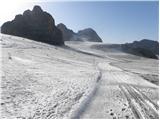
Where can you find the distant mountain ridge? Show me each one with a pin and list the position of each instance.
(146, 43)
(147, 48)
(87, 34)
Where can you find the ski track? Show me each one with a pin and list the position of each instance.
(141, 106)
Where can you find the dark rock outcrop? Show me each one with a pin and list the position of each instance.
(67, 33)
(145, 48)
(82, 35)
(36, 24)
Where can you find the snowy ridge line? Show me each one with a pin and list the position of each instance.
(94, 54)
(66, 61)
(29, 41)
(85, 101)
(83, 52)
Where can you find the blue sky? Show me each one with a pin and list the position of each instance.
(115, 22)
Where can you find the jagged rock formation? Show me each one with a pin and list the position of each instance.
(83, 35)
(145, 47)
(67, 33)
(36, 24)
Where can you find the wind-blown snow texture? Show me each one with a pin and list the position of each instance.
(73, 81)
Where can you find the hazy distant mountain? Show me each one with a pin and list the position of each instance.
(36, 24)
(89, 35)
(145, 47)
(83, 35)
(67, 33)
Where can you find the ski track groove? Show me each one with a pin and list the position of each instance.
(133, 107)
(154, 105)
(142, 107)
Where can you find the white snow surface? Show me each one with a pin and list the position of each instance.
(46, 81)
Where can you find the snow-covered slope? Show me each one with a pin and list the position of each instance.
(73, 81)
(42, 81)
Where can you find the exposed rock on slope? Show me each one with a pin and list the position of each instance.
(67, 33)
(36, 24)
(83, 35)
(146, 48)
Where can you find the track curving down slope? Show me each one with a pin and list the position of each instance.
(119, 96)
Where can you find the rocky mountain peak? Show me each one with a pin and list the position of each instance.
(61, 26)
(26, 13)
(36, 24)
(86, 30)
(67, 33)
(89, 34)
(37, 9)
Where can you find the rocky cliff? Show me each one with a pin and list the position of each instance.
(36, 24)
(67, 33)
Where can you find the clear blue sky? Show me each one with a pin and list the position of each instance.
(115, 22)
